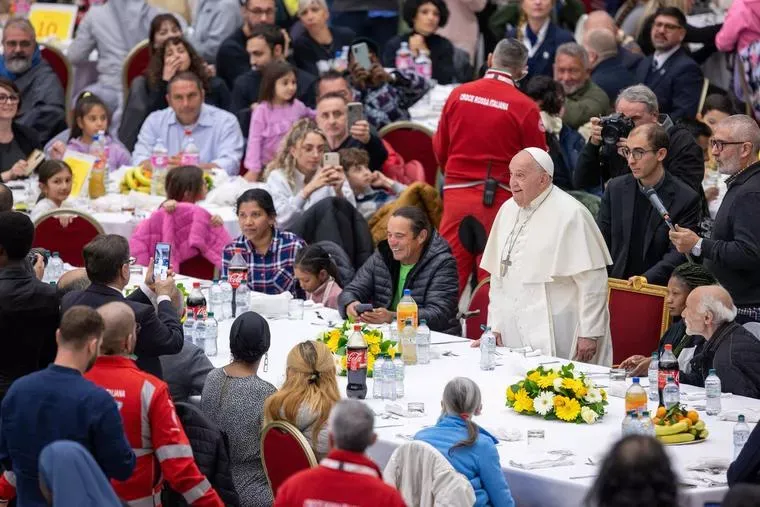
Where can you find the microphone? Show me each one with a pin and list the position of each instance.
(658, 205)
(660, 208)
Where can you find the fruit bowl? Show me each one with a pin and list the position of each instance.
(679, 426)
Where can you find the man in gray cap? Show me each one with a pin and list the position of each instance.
(548, 265)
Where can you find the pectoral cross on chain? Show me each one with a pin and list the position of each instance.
(505, 263)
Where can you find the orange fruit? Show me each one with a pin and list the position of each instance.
(680, 417)
(661, 411)
(687, 421)
(656, 420)
(693, 415)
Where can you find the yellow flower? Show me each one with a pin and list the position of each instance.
(392, 351)
(343, 363)
(534, 376)
(332, 340)
(374, 349)
(604, 394)
(370, 363)
(510, 394)
(547, 381)
(566, 408)
(523, 401)
(372, 339)
(575, 385)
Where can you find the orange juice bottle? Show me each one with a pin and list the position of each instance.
(406, 309)
(636, 398)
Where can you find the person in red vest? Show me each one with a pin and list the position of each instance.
(483, 125)
(346, 476)
(150, 420)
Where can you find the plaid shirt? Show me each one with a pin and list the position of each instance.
(271, 273)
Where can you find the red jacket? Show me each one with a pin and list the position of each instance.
(156, 436)
(486, 120)
(359, 484)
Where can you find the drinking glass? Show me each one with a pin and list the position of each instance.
(295, 309)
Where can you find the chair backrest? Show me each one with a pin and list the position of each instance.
(425, 478)
(62, 68)
(638, 317)
(284, 451)
(413, 142)
(135, 64)
(477, 309)
(68, 241)
(198, 267)
(754, 328)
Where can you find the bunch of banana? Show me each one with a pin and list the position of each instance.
(678, 426)
(136, 178)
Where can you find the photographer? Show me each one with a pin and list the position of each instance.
(599, 161)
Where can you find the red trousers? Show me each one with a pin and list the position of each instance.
(457, 204)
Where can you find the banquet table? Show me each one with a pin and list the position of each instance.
(560, 486)
(427, 111)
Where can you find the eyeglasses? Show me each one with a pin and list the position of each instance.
(260, 13)
(131, 261)
(23, 44)
(718, 145)
(667, 26)
(637, 153)
(8, 99)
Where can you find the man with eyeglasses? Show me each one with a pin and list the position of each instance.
(670, 72)
(43, 101)
(107, 262)
(732, 252)
(232, 60)
(599, 162)
(634, 231)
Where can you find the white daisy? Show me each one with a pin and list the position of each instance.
(593, 396)
(558, 384)
(588, 415)
(588, 383)
(544, 403)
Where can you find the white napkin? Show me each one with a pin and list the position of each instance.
(507, 435)
(710, 463)
(542, 461)
(704, 480)
(750, 415)
(226, 191)
(617, 389)
(271, 305)
(396, 409)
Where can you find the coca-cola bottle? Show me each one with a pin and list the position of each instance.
(668, 367)
(196, 302)
(237, 276)
(356, 364)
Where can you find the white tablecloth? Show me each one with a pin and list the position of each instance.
(123, 223)
(427, 111)
(554, 487)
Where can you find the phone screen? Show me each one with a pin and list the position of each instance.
(161, 261)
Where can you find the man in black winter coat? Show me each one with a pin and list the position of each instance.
(730, 349)
(597, 163)
(414, 257)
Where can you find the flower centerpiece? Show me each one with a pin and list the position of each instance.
(336, 340)
(562, 394)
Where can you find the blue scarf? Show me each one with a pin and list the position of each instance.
(4, 72)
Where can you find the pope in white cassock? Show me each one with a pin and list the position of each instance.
(548, 265)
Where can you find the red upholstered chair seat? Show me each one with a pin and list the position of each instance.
(135, 64)
(477, 309)
(198, 267)
(638, 318)
(60, 65)
(67, 241)
(413, 142)
(284, 451)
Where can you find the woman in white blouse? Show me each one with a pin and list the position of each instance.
(296, 178)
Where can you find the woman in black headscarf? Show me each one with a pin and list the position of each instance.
(233, 398)
(685, 278)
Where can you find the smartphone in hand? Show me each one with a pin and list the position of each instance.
(161, 261)
(355, 113)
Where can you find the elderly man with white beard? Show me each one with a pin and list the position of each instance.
(42, 106)
(583, 98)
(548, 264)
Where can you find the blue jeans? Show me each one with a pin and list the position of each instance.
(380, 30)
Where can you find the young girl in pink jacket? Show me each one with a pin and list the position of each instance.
(318, 276)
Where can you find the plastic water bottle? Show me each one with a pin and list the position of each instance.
(635, 426)
(404, 60)
(671, 394)
(212, 332)
(741, 435)
(242, 299)
(423, 343)
(398, 366)
(423, 65)
(654, 394)
(226, 290)
(199, 331)
(159, 161)
(56, 267)
(627, 420)
(487, 350)
(191, 155)
(215, 299)
(188, 327)
(21, 8)
(389, 379)
(377, 377)
(712, 392)
(647, 426)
